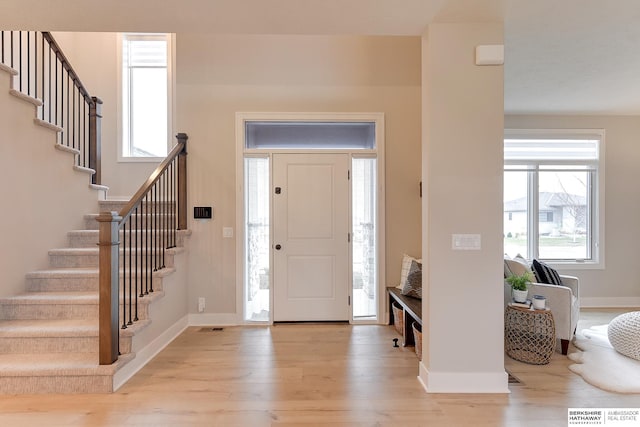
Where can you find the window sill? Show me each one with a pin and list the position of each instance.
(572, 265)
(140, 159)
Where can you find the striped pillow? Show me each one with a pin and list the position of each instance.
(545, 274)
(406, 266)
(413, 285)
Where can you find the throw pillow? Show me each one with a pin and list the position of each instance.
(545, 274)
(413, 284)
(406, 266)
(516, 266)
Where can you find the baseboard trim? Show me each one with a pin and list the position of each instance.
(609, 302)
(463, 382)
(145, 355)
(213, 319)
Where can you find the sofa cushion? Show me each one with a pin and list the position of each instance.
(413, 285)
(545, 274)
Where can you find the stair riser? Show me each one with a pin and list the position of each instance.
(117, 205)
(59, 311)
(92, 224)
(75, 285)
(25, 345)
(63, 384)
(80, 261)
(48, 344)
(91, 241)
(62, 284)
(73, 261)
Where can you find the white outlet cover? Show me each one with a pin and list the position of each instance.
(466, 242)
(227, 232)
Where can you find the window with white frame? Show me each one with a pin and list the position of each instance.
(552, 184)
(145, 95)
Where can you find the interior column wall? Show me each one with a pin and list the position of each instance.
(462, 172)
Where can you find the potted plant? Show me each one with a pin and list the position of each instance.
(519, 284)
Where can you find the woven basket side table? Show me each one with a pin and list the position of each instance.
(529, 335)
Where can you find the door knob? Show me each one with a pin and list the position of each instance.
(278, 247)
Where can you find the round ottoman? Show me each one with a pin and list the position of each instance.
(624, 334)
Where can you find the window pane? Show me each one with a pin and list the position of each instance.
(515, 213)
(563, 215)
(364, 238)
(305, 135)
(148, 112)
(551, 149)
(256, 264)
(145, 95)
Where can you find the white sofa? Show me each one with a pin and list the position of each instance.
(564, 302)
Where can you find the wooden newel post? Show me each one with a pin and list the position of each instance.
(108, 244)
(182, 183)
(95, 132)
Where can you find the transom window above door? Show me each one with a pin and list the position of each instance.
(310, 135)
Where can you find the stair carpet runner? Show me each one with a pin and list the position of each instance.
(49, 334)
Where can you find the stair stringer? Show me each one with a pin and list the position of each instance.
(43, 193)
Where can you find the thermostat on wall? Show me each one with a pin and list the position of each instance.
(202, 212)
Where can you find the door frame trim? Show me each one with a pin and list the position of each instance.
(379, 152)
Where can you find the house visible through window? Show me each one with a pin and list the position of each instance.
(551, 194)
(145, 95)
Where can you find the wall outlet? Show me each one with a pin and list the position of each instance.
(201, 304)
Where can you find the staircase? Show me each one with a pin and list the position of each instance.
(49, 335)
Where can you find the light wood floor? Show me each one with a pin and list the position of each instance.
(293, 375)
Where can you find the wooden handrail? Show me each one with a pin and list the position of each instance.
(181, 147)
(147, 225)
(67, 66)
(45, 73)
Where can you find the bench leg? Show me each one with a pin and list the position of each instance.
(407, 333)
(564, 344)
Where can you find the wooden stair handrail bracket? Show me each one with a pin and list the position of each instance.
(108, 244)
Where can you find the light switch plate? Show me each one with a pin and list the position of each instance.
(466, 242)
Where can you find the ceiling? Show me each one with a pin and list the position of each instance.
(561, 56)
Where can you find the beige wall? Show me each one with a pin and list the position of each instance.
(462, 167)
(95, 59)
(218, 76)
(42, 196)
(616, 284)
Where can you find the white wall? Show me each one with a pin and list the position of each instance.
(462, 169)
(42, 196)
(617, 284)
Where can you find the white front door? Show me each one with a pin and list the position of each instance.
(310, 237)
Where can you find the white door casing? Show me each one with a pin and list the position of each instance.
(310, 226)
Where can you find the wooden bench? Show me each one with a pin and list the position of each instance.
(412, 308)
